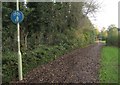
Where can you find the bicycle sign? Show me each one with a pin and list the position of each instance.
(17, 17)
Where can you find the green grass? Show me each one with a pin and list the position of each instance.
(109, 65)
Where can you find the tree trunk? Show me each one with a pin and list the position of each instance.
(26, 46)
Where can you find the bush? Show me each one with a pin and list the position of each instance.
(9, 66)
(112, 41)
(119, 40)
(112, 38)
(31, 59)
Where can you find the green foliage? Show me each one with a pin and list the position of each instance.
(31, 59)
(112, 38)
(46, 23)
(48, 31)
(97, 33)
(118, 39)
(9, 66)
(104, 34)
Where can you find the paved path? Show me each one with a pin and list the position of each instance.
(79, 66)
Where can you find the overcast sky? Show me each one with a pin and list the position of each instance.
(107, 15)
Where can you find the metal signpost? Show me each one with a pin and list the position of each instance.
(17, 17)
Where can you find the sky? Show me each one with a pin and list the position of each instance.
(107, 14)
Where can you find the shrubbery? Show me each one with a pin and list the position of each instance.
(119, 40)
(42, 54)
(112, 38)
(48, 31)
(31, 59)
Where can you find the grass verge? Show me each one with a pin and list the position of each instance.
(109, 65)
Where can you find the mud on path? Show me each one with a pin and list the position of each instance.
(79, 66)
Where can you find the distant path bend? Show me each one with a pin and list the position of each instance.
(79, 66)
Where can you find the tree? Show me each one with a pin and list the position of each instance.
(112, 38)
(59, 25)
(90, 7)
(104, 33)
(97, 33)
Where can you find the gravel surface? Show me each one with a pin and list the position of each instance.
(80, 66)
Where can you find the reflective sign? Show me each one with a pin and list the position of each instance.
(17, 17)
